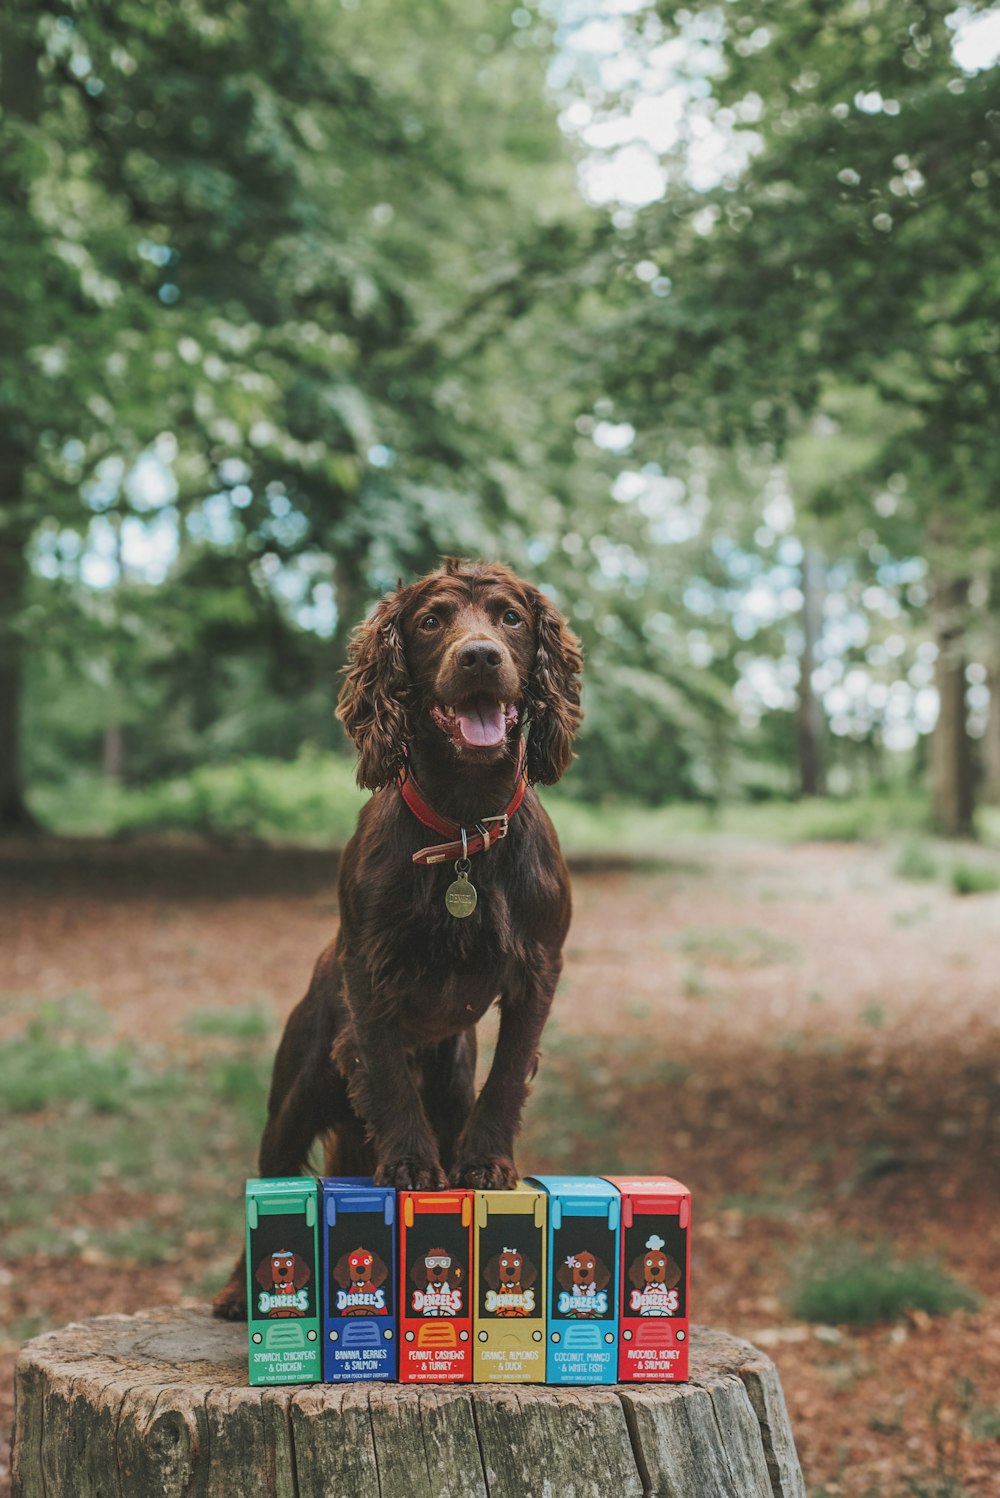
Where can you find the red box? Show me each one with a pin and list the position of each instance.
(435, 1287)
(655, 1279)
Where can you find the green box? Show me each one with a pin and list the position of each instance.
(283, 1283)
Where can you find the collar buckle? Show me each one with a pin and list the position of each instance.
(499, 830)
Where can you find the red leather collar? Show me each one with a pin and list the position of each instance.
(464, 841)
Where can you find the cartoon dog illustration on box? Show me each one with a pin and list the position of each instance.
(582, 1278)
(510, 1276)
(360, 1275)
(437, 1278)
(282, 1277)
(655, 1276)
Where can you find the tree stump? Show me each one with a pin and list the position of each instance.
(131, 1406)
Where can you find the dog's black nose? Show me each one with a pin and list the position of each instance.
(479, 655)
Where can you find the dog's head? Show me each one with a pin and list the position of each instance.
(435, 1268)
(283, 1268)
(583, 1268)
(654, 1267)
(463, 659)
(509, 1270)
(360, 1267)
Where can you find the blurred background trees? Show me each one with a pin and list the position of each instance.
(296, 298)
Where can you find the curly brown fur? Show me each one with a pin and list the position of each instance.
(380, 1055)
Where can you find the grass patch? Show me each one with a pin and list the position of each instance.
(745, 946)
(38, 1073)
(974, 879)
(916, 862)
(577, 1119)
(230, 1024)
(114, 1123)
(861, 1287)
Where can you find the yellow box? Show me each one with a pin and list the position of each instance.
(510, 1272)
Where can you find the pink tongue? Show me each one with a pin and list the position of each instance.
(483, 726)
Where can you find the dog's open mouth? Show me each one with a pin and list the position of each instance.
(480, 723)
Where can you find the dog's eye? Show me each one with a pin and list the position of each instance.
(513, 618)
(429, 622)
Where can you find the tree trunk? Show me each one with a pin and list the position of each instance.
(952, 792)
(20, 99)
(132, 1406)
(991, 738)
(811, 725)
(14, 813)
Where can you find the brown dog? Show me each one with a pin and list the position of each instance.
(380, 1055)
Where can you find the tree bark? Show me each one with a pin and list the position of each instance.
(811, 724)
(952, 785)
(14, 813)
(132, 1406)
(20, 99)
(991, 737)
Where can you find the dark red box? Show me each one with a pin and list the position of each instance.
(655, 1279)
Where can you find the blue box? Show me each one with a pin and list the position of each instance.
(358, 1231)
(582, 1327)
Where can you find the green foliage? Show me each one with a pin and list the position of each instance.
(974, 879)
(230, 1024)
(916, 862)
(848, 1285)
(313, 799)
(38, 1071)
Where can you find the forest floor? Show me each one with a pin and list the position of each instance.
(805, 1036)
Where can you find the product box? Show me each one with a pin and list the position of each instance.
(358, 1232)
(510, 1266)
(435, 1287)
(582, 1290)
(283, 1285)
(655, 1279)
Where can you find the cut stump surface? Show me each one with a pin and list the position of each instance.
(132, 1406)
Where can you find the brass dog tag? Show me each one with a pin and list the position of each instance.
(460, 897)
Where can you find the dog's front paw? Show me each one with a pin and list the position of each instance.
(411, 1175)
(499, 1174)
(231, 1302)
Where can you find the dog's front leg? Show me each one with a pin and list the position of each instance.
(383, 1093)
(485, 1154)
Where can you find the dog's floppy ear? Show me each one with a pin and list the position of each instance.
(372, 701)
(342, 1271)
(263, 1274)
(552, 698)
(637, 1271)
(529, 1273)
(379, 1272)
(564, 1276)
(601, 1273)
(418, 1274)
(491, 1274)
(301, 1273)
(672, 1272)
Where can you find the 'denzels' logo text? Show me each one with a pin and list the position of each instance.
(654, 1276)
